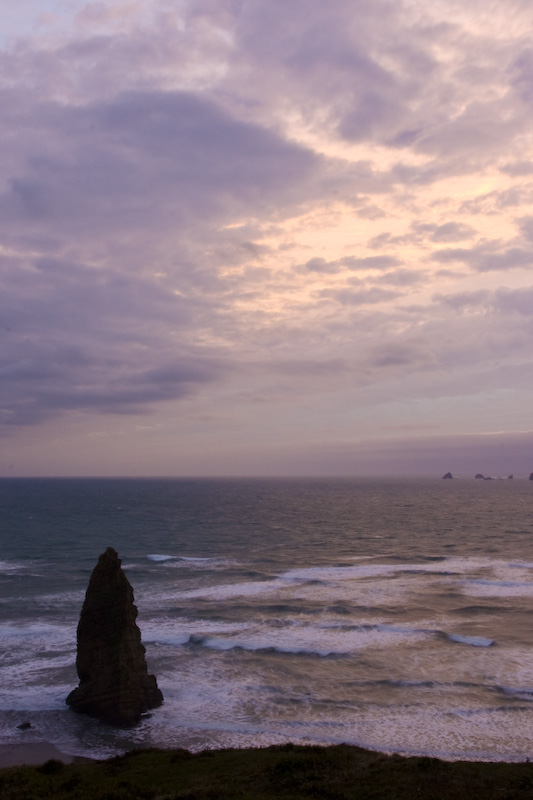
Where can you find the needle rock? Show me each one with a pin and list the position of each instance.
(114, 684)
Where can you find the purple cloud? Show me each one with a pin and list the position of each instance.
(482, 259)
(216, 205)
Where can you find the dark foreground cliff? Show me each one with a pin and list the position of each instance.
(285, 772)
(114, 682)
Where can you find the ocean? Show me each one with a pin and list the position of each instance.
(392, 614)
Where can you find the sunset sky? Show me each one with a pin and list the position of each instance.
(266, 237)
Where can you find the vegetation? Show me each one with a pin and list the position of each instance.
(287, 772)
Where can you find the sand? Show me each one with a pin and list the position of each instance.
(32, 753)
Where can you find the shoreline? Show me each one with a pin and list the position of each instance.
(36, 753)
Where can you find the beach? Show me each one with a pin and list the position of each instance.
(33, 754)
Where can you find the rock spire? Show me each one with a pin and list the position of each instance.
(114, 682)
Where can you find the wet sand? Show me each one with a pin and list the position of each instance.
(32, 753)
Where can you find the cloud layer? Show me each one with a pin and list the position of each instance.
(228, 229)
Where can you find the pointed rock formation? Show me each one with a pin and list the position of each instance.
(114, 682)
(448, 476)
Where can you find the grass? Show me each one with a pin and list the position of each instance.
(287, 772)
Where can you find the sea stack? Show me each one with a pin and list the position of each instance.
(448, 476)
(114, 684)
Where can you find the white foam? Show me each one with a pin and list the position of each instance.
(365, 581)
(335, 574)
(358, 571)
(226, 591)
(36, 697)
(174, 641)
(178, 631)
(62, 600)
(497, 588)
(243, 712)
(13, 630)
(33, 673)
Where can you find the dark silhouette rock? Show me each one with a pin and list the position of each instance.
(510, 477)
(531, 477)
(448, 476)
(114, 684)
(480, 477)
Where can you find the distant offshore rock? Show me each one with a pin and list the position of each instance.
(531, 477)
(481, 477)
(114, 684)
(448, 476)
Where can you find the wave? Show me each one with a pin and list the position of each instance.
(230, 590)
(453, 572)
(7, 567)
(284, 636)
(469, 610)
(174, 641)
(401, 683)
(435, 566)
(25, 629)
(473, 641)
(468, 713)
(485, 582)
(165, 557)
(236, 644)
(295, 632)
(196, 562)
(518, 693)
(369, 626)
(223, 644)
(433, 558)
(305, 576)
(429, 684)
(497, 588)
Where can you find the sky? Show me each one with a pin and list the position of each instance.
(260, 237)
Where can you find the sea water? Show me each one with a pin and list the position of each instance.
(392, 614)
